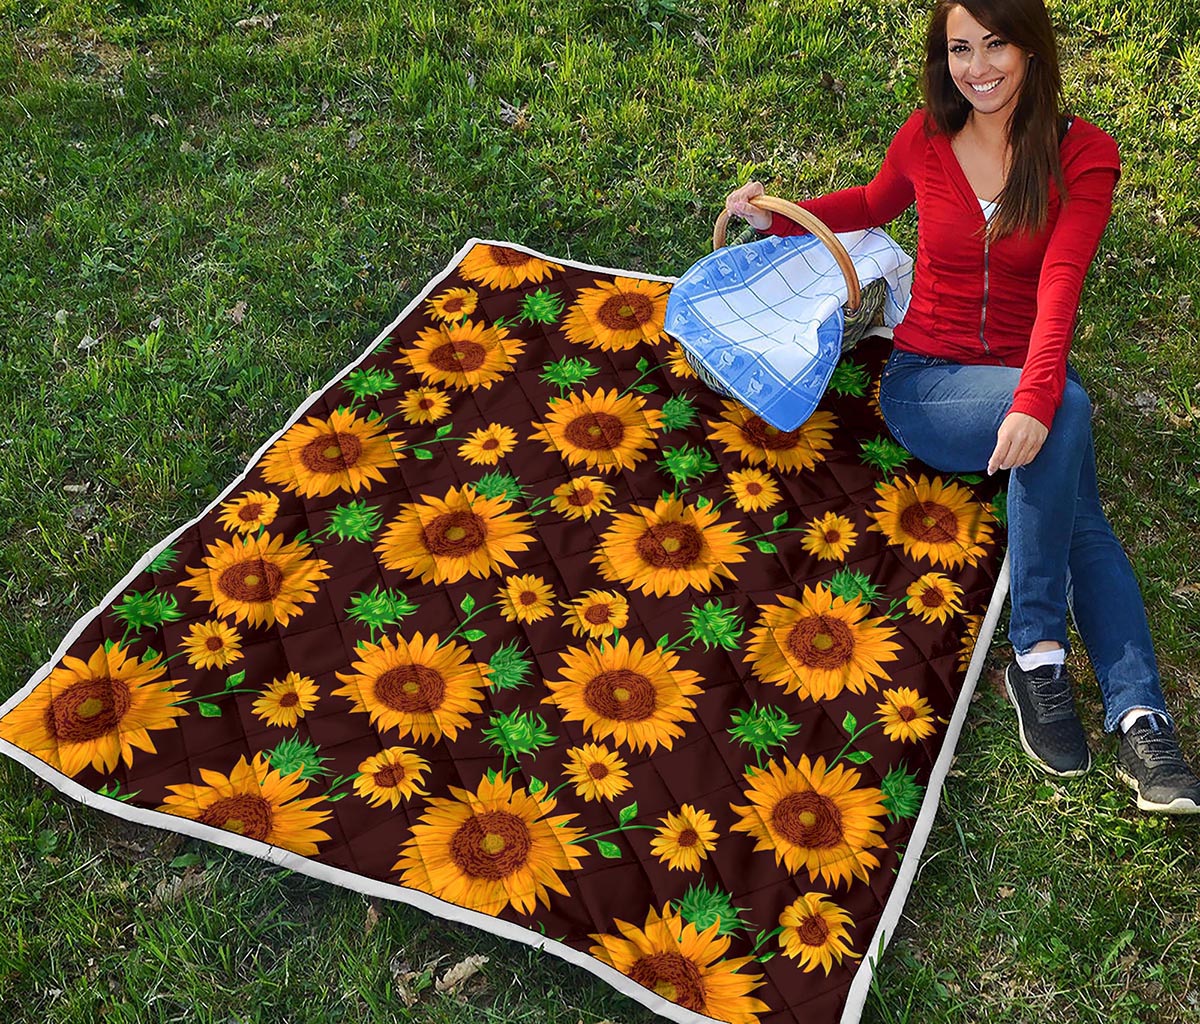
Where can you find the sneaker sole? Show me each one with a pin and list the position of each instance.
(1180, 805)
(1070, 774)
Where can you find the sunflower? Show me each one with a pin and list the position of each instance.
(666, 549)
(820, 645)
(618, 314)
(757, 442)
(601, 430)
(969, 638)
(95, 712)
(462, 356)
(485, 447)
(934, 597)
(526, 599)
(453, 304)
(753, 490)
(905, 715)
(932, 520)
(212, 644)
(677, 363)
(342, 452)
(414, 686)
(685, 839)
(247, 513)
(254, 801)
(502, 268)
(815, 819)
(491, 849)
(598, 773)
(597, 613)
(424, 405)
(677, 961)
(258, 580)
(830, 537)
(441, 540)
(390, 776)
(815, 933)
(634, 694)
(582, 498)
(287, 700)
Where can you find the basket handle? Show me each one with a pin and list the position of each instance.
(807, 220)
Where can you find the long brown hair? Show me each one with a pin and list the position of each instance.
(1038, 121)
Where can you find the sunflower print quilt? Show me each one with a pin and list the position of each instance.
(516, 622)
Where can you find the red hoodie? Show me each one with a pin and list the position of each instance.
(1010, 302)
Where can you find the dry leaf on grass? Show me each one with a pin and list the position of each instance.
(266, 21)
(237, 313)
(460, 972)
(372, 917)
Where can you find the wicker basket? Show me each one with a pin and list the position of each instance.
(861, 308)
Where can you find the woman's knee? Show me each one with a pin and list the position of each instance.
(1074, 417)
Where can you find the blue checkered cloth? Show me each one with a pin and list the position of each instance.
(765, 319)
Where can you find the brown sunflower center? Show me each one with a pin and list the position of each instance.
(759, 432)
(214, 643)
(289, 700)
(832, 536)
(454, 533)
(821, 641)
(597, 770)
(673, 976)
(490, 445)
(907, 713)
(933, 598)
(389, 776)
(528, 597)
(413, 689)
(622, 694)
(625, 311)
(808, 820)
(331, 453)
(930, 522)
(453, 304)
(688, 837)
(253, 580)
(598, 614)
(88, 709)
(595, 431)
(459, 356)
(813, 931)
(670, 545)
(754, 488)
(245, 814)
(425, 404)
(250, 511)
(491, 845)
(508, 257)
(581, 497)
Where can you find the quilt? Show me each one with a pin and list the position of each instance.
(516, 622)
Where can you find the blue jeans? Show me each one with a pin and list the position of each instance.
(1063, 553)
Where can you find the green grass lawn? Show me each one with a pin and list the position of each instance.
(201, 223)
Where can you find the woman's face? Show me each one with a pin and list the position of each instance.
(987, 69)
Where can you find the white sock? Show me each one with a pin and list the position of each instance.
(1036, 659)
(1130, 717)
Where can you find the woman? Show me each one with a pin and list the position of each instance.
(1012, 198)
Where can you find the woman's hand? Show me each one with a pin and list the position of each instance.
(1018, 441)
(737, 203)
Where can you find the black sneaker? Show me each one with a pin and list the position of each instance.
(1051, 732)
(1150, 761)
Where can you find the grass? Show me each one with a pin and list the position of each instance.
(160, 167)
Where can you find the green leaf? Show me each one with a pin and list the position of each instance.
(109, 645)
(443, 430)
(663, 640)
(536, 785)
(645, 389)
(703, 502)
(474, 634)
(642, 365)
(150, 654)
(850, 723)
(424, 454)
(779, 521)
(970, 478)
(467, 604)
(859, 757)
(491, 775)
(628, 813)
(208, 710)
(610, 850)
(186, 860)
(766, 547)
(338, 796)
(235, 680)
